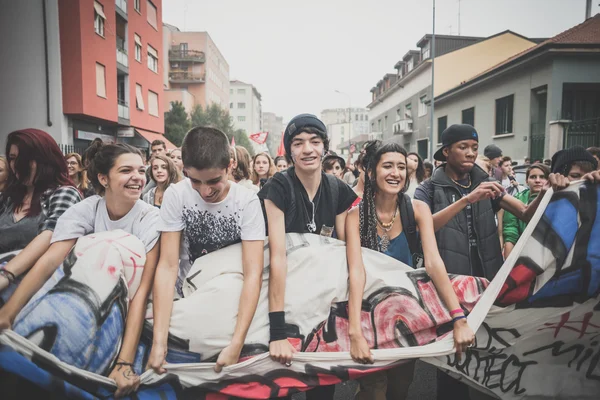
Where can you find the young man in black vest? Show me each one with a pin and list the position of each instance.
(302, 199)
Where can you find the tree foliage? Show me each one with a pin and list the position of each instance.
(176, 123)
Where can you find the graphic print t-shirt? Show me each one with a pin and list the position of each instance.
(209, 226)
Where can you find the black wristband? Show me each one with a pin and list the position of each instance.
(277, 326)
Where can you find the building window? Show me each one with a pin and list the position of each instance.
(230, 91)
(379, 125)
(504, 114)
(139, 99)
(152, 103)
(241, 118)
(151, 10)
(152, 59)
(468, 116)
(422, 106)
(409, 65)
(408, 111)
(136, 6)
(342, 132)
(398, 114)
(241, 105)
(231, 105)
(385, 123)
(100, 80)
(442, 125)
(99, 18)
(356, 117)
(138, 47)
(425, 52)
(241, 91)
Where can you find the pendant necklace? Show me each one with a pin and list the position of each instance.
(385, 227)
(311, 225)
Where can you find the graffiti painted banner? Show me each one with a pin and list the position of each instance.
(538, 322)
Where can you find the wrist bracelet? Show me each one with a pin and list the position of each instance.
(457, 318)
(10, 277)
(277, 326)
(124, 363)
(458, 310)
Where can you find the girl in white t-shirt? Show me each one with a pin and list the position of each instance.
(102, 294)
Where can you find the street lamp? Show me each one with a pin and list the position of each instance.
(349, 112)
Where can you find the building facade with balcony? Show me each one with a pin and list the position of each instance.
(537, 102)
(400, 110)
(245, 109)
(195, 72)
(343, 125)
(111, 71)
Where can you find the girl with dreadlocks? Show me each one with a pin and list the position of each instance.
(377, 224)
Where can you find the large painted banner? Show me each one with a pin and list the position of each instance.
(538, 322)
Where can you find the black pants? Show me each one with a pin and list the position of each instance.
(449, 388)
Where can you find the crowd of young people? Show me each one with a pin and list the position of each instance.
(207, 195)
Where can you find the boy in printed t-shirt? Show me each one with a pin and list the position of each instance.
(199, 215)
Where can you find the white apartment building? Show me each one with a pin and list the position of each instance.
(245, 109)
(273, 124)
(342, 127)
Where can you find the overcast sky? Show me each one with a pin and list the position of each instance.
(297, 53)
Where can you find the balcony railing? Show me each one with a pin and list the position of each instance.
(122, 57)
(186, 77)
(403, 126)
(186, 55)
(122, 4)
(123, 109)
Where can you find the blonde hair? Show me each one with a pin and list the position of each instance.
(272, 168)
(5, 161)
(173, 173)
(82, 174)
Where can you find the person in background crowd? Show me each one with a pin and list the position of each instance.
(548, 162)
(595, 151)
(437, 163)
(464, 202)
(264, 169)
(38, 193)
(527, 161)
(118, 174)
(359, 188)
(164, 173)
(320, 205)
(206, 212)
(157, 147)
(508, 180)
(3, 173)
(494, 154)
(416, 173)
(428, 170)
(282, 163)
(79, 175)
(574, 163)
(377, 225)
(240, 169)
(537, 177)
(334, 165)
(484, 163)
(176, 158)
(351, 173)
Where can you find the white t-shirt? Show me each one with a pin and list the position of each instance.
(91, 216)
(209, 226)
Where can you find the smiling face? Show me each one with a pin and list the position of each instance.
(73, 166)
(126, 178)
(461, 155)
(176, 157)
(261, 166)
(391, 173)
(336, 170)
(160, 171)
(307, 150)
(12, 159)
(536, 180)
(212, 184)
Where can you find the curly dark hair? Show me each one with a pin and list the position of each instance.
(367, 214)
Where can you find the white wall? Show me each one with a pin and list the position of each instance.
(23, 77)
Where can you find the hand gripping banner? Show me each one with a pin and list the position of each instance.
(538, 322)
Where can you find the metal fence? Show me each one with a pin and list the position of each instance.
(69, 148)
(585, 133)
(538, 140)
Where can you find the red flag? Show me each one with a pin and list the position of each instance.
(281, 149)
(232, 141)
(259, 138)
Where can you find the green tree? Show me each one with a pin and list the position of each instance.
(176, 123)
(217, 117)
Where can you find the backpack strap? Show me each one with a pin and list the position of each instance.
(335, 189)
(291, 211)
(409, 226)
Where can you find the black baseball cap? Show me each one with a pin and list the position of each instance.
(455, 133)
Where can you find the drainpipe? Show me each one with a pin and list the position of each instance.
(48, 118)
(588, 9)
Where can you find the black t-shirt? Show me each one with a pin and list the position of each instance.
(277, 190)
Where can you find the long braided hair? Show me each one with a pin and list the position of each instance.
(373, 151)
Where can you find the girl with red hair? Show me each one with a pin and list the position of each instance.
(39, 191)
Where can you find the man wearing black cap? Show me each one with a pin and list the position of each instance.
(303, 199)
(464, 200)
(574, 163)
(494, 154)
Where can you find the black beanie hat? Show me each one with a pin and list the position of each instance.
(492, 151)
(563, 159)
(297, 126)
(455, 133)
